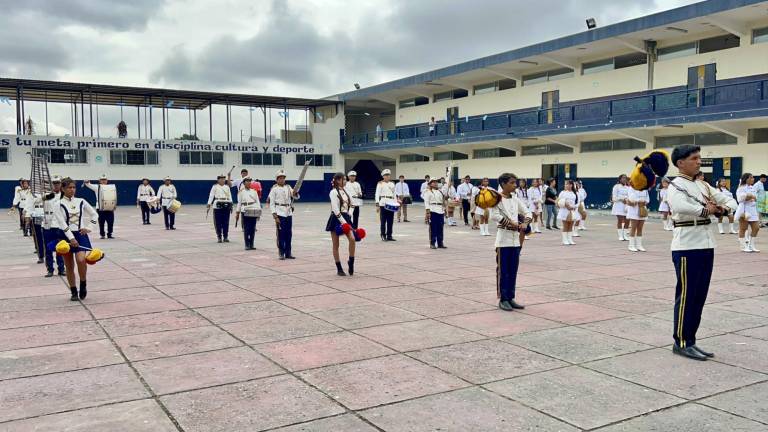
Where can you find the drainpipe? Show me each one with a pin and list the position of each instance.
(650, 50)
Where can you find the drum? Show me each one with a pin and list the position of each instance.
(174, 206)
(453, 203)
(226, 205)
(251, 212)
(407, 199)
(107, 197)
(392, 205)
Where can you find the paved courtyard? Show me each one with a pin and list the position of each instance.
(180, 333)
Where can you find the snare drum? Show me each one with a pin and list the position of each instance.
(174, 206)
(107, 197)
(254, 212)
(392, 205)
(407, 199)
(225, 205)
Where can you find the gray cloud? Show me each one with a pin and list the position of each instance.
(103, 14)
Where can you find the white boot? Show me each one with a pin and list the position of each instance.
(621, 234)
(565, 239)
(583, 226)
(570, 238)
(639, 244)
(733, 229)
(538, 227)
(482, 229)
(575, 232)
(720, 228)
(485, 230)
(744, 245)
(753, 245)
(625, 234)
(631, 246)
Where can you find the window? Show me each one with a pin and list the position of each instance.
(262, 159)
(552, 75)
(759, 135)
(314, 160)
(413, 102)
(406, 158)
(534, 78)
(597, 66)
(133, 157)
(718, 43)
(611, 145)
(699, 139)
(760, 35)
(451, 94)
(3, 155)
(446, 156)
(63, 156)
(559, 74)
(545, 149)
(201, 158)
(492, 153)
(629, 60)
(484, 88)
(677, 51)
(506, 84)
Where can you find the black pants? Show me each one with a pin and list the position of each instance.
(50, 238)
(285, 235)
(221, 222)
(694, 271)
(507, 263)
(107, 217)
(355, 217)
(144, 211)
(465, 210)
(249, 230)
(436, 223)
(40, 244)
(169, 217)
(386, 218)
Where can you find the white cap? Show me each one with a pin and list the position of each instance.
(247, 178)
(103, 177)
(167, 178)
(386, 172)
(351, 173)
(279, 173)
(56, 179)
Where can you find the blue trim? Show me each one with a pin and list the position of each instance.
(660, 19)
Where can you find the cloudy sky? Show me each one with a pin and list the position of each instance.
(308, 48)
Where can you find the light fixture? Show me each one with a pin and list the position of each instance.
(675, 126)
(529, 62)
(677, 29)
(591, 23)
(367, 114)
(357, 86)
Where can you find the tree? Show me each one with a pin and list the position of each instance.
(29, 127)
(122, 129)
(188, 137)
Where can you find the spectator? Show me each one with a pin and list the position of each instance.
(550, 203)
(432, 131)
(762, 199)
(379, 133)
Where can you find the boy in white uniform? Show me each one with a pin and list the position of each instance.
(167, 193)
(281, 205)
(385, 191)
(355, 192)
(106, 217)
(507, 214)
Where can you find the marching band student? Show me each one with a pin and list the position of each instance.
(385, 191)
(33, 215)
(581, 194)
(619, 195)
(14, 204)
(144, 193)
(576, 214)
(722, 187)
(77, 218)
(51, 229)
(693, 246)
(340, 205)
(238, 183)
(281, 205)
(507, 215)
(747, 213)
(167, 193)
(105, 216)
(220, 198)
(522, 193)
(434, 200)
(449, 192)
(664, 205)
(481, 214)
(355, 191)
(465, 193)
(637, 214)
(403, 194)
(247, 203)
(20, 203)
(424, 187)
(566, 202)
(535, 203)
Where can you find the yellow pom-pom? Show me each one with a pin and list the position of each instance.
(94, 256)
(487, 198)
(62, 247)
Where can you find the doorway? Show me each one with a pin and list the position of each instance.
(560, 172)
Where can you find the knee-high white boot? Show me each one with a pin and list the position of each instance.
(620, 231)
(639, 244)
(733, 228)
(565, 239)
(753, 245)
(575, 232)
(720, 228)
(631, 246)
(570, 238)
(744, 245)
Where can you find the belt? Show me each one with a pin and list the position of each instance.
(386, 196)
(692, 223)
(283, 205)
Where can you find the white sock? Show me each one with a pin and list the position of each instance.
(621, 233)
(570, 238)
(631, 245)
(639, 244)
(565, 239)
(753, 245)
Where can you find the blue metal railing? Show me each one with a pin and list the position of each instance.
(621, 108)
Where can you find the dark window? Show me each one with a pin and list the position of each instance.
(675, 51)
(545, 149)
(484, 88)
(611, 145)
(413, 158)
(597, 66)
(437, 97)
(133, 157)
(759, 135)
(492, 153)
(262, 159)
(444, 156)
(314, 160)
(63, 156)
(673, 141)
(201, 158)
(3, 155)
(699, 139)
(460, 93)
(506, 84)
(629, 60)
(718, 43)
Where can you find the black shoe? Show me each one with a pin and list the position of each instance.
(701, 351)
(62, 272)
(442, 247)
(689, 352)
(83, 291)
(383, 237)
(556, 227)
(102, 237)
(218, 241)
(226, 240)
(166, 228)
(109, 236)
(432, 247)
(505, 306)
(49, 274)
(516, 305)
(549, 228)
(290, 257)
(149, 223)
(74, 296)
(406, 220)
(281, 258)
(40, 261)
(390, 239)
(351, 264)
(173, 228)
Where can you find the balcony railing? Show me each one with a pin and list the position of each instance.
(663, 103)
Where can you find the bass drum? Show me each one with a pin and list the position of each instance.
(174, 206)
(107, 197)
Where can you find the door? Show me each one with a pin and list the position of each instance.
(550, 102)
(701, 80)
(452, 116)
(728, 168)
(560, 172)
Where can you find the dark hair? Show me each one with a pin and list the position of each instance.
(683, 152)
(550, 180)
(618, 179)
(506, 178)
(426, 176)
(336, 178)
(402, 176)
(243, 171)
(744, 178)
(763, 176)
(66, 181)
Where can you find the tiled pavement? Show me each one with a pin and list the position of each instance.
(181, 333)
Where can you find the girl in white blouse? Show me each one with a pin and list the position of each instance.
(567, 202)
(581, 193)
(664, 205)
(637, 213)
(722, 186)
(747, 214)
(535, 201)
(619, 199)
(340, 206)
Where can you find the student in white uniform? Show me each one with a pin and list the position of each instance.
(434, 215)
(77, 218)
(452, 202)
(143, 195)
(522, 194)
(220, 198)
(581, 193)
(535, 204)
(281, 198)
(507, 214)
(355, 191)
(465, 193)
(619, 195)
(106, 217)
(52, 232)
(637, 213)
(567, 202)
(33, 214)
(20, 202)
(424, 187)
(403, 194)
(666, 220)
(249, 207)
(482, 215)
(385, 192)
(340, 223)
(747, 214)
(722, 187)
(167, 193)
(576, 213)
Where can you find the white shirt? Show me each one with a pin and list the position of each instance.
(339, 206)
(424, 187)
(280, 199)
(582, 193)
(384, 191)
(448, 191)
(465, 190)
(20, 197)
(566, 200)
(687, 209)
(402, 189)
(95, 188)
(523, 195)
(619, 193)
(509, 208)
(741, 197)
(355, 191)
(75, 214)
(166, 194)
(50, 207)
(219, 193)
(33, 208)
(433, 201)
(247, 199)
(144, 193)
(534, 197)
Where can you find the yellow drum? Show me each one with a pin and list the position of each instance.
(174, 206)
